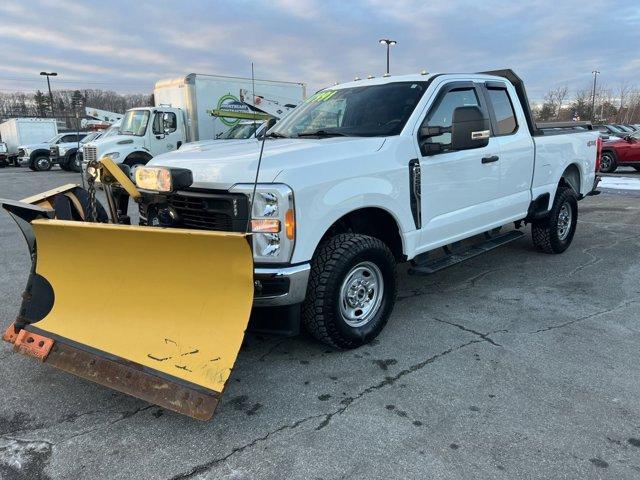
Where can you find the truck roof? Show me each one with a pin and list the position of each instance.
(415, 77)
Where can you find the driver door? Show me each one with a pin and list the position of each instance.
(459, 189)
(165, 134)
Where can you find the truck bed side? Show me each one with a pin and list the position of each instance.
(554, 154)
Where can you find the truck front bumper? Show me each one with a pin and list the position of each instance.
(24, 161)
(280, 286)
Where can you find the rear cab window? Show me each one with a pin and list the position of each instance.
(504, 117)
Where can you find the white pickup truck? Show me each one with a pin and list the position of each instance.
(370, 173)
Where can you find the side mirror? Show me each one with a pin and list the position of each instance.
(469, 129)
(168, 123)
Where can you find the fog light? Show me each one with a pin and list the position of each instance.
(162, 216)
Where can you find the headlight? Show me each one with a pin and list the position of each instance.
(272, 221)
(112, 155)
(153, 178)
(27, 151)
(163, 179)
(62, 150)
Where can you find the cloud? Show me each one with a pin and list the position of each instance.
(128, 45)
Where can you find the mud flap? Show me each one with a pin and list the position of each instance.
(156, 313)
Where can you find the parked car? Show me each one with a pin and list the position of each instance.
(610, 130)
(36, 155)
(625, 128)
(617, 152)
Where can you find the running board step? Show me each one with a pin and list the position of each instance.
(451, 259)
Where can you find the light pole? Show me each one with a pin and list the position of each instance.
(593, 96)
(388, 43)
(50, 74)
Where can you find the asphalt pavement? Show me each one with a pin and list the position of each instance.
(513, 365)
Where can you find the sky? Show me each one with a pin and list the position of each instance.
(129, 45)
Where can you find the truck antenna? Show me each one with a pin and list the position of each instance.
(253, 100)
(255, 181)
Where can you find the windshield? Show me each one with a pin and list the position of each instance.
(615, 129)
(372, 110)
(135, 122)
(112, 130)
(89, 137)
(240, 131)
(54, 138)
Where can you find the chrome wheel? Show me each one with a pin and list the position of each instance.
(605, 162)
(361, 294)
(42, 163)
(564, 221)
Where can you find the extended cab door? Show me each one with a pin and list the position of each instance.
(459, 189)
(517, 154)
(166, 132)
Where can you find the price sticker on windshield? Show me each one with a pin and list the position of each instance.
(322, 96)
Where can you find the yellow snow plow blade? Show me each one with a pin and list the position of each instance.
(156, 313)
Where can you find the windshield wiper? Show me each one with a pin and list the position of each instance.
(276, 135)
(321, 133)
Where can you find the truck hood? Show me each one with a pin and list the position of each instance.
(114, 143)
(220, 165)
(35, 146)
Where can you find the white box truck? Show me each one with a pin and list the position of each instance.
(18, 132)
(183, 114)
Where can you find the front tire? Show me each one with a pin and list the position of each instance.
(42, 163)
(351, 291)
(75, 164)
(608, 162)
(554, 233)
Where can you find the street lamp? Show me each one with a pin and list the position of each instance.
(50, 74)
(593, 95)
(388, 43)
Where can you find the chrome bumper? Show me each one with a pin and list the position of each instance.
(24, 160)
(297, 277)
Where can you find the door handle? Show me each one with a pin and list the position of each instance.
(491, 159)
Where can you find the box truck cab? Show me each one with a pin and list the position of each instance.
(183, 113)
(144, 133)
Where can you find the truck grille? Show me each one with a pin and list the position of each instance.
(207, 211)
(54, 152)
(89, 153)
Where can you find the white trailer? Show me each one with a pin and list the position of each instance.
(16, 132)
(183, 114)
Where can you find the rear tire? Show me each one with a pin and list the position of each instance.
(554, 233)
(608, 162)
(351, 291)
